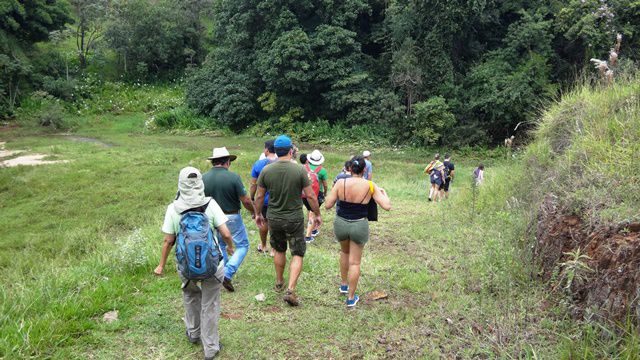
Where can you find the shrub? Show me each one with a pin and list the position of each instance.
(42, 109)
(430, 120)
(183, 118)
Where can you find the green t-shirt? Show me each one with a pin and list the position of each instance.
(322, 175)
(225, 187)
(284, 181)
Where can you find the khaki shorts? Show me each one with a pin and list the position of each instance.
(287, 232)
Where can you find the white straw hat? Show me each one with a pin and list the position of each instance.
(366, 153)
(221, 153)
(316, 158)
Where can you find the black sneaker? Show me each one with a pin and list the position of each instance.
(228, 285)
(193, 340)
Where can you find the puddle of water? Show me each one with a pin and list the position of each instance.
(30, 160)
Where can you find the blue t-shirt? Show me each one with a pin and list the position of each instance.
(368, 169)
(255, 172)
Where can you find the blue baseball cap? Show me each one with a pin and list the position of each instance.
(282, 141)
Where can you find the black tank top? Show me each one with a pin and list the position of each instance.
(352, 211)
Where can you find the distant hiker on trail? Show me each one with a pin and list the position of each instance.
(449, 174)
(226, 188)
(435, 169)
(318, 177)
(478, 175)
(345, 173)
(368, 170)
(285, 182)
(269, 157)
(191, 218)
(351, 224)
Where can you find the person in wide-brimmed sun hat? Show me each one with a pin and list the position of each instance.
(318, 176)
(227, 189)
(201, 298)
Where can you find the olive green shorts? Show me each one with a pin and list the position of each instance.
(289, 232)
(354, 230)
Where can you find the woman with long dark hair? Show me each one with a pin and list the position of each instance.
(351, 224)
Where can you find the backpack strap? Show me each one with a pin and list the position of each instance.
(318, 169)
(370, 192)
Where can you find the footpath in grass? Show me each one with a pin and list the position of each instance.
(82, 238)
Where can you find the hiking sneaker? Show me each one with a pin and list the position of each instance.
(291, 298)
(344, 289)
(309, 239)
(352, 303)
(228, 285)
(278, 287)
(315, 233)
(193, 340)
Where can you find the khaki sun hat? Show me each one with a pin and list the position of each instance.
(221, 152)
(190, 190)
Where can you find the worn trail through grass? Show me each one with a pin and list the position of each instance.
(80, 239)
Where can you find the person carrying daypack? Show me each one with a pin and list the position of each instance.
(435, 170)
(190, 219)
(318, 177)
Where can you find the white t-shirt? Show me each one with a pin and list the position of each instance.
(171, 223)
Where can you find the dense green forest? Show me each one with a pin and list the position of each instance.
(416, 72)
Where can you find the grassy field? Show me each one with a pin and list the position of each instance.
(82, 238)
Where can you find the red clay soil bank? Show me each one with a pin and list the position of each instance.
(613, 288)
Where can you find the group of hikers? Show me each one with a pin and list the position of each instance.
(442, 173)
(207, 209)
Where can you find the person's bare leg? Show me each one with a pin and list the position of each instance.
(264, 231)
(355, 254)
(310, 224)
(294, 271)
(344, 261)
(280, 260)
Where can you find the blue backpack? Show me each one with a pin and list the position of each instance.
(197, 253)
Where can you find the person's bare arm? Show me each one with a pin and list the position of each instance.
(226, 237)
(452, 174)
(381, 197)
(246, 202)
(258, 202)
(313, 204)
(169, 240)
(332, 197)
(325, 187)
(253, 187)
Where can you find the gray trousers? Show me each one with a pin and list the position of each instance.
(202, 310)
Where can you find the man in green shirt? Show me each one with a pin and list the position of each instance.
(226, 188)
(285, 181)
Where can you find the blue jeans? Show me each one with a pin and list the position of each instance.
(240, 241)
